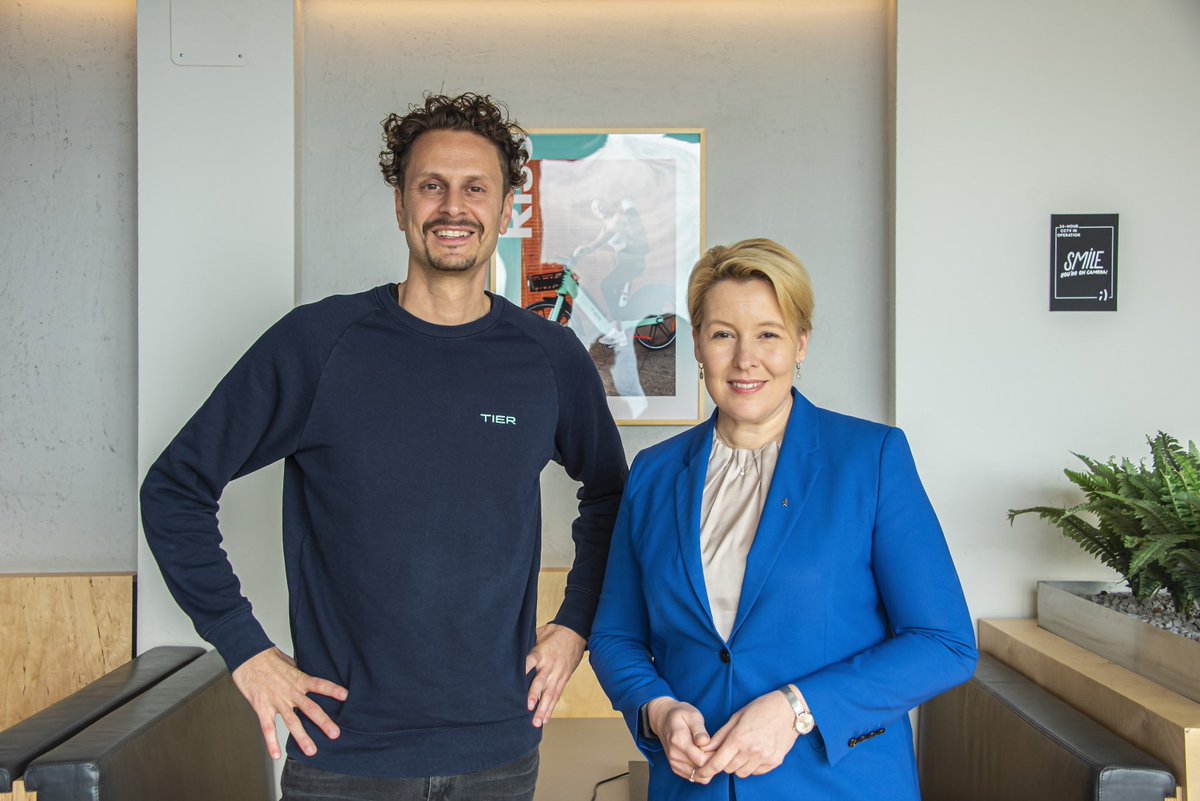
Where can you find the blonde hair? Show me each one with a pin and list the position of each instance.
(765, 260)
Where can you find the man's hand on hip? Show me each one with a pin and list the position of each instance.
(274, 686)
(555, 656)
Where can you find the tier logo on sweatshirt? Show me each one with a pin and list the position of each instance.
(498, 419)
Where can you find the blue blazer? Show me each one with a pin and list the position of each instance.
(849, 593)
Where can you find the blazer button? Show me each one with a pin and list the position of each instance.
(724, 656)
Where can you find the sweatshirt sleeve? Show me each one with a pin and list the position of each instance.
(589, 448)
(253, 418)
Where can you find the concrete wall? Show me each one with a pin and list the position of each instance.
(70, 297)
(1007, 113)
(1004, 116)
(792, 95)
(67, 320)
(217, 192)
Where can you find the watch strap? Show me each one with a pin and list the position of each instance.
(804, 719)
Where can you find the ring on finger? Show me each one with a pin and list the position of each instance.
(692, 778)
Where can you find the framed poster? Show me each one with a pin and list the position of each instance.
(604, 233)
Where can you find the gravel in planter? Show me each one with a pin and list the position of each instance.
(1157, 610)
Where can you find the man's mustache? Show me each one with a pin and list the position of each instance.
(446, 221)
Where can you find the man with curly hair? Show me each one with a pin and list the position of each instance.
(414, 421)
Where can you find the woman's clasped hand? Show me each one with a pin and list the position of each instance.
(754, 741)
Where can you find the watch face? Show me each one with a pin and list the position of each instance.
(804, 723)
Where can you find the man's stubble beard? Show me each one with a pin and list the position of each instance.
(442, 265)
(460, 264)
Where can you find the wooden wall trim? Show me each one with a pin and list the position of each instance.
(58, 633)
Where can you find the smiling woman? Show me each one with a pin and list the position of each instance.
(746, 343)
(776, 573)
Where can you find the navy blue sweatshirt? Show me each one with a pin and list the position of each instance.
(411, 518)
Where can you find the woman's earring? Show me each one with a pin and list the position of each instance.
(702, 372)
(798, 370)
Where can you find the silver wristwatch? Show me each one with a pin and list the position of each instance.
(804, 719)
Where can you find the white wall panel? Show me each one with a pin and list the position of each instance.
(216, 250)
(1007, 113)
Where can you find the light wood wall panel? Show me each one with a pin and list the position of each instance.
(59, 633)
(583, 697)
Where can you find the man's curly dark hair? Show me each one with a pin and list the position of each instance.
(477, 114)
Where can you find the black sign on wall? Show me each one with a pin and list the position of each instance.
(1083, 262)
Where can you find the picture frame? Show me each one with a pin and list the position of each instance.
(604, 233)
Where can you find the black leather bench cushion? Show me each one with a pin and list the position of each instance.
(191, 737)
(1000, 736)
(37, 734)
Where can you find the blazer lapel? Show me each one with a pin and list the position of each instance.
(689, 487)
(795, 473)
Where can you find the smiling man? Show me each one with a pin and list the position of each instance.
(414, 420)
(450, 208)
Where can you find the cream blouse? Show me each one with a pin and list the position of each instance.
(735, 490)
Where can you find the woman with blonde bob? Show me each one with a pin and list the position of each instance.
(779, 594)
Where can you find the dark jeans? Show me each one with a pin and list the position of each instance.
(513, 781)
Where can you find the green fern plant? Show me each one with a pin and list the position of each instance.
(1147, 518)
